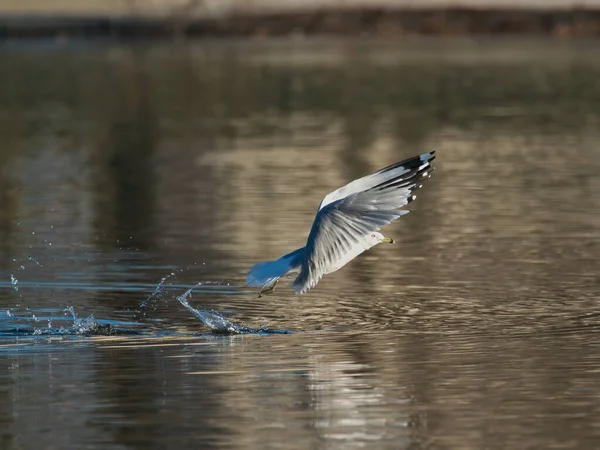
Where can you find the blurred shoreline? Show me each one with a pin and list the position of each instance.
(376, 21)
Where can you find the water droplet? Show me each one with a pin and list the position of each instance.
(14, 282)
(33, 232)
(71, 310)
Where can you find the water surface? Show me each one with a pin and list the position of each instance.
(131, 174)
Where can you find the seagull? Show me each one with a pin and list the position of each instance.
(347, 224)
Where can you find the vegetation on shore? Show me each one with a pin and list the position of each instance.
(377, 22)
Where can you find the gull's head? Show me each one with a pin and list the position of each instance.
(374, 238)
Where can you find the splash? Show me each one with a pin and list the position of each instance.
(28, 323)
(151, 302)
(13, 278)
(35, 261)
(217, 322)
(80, 326)
(84, 324)
(157, 294)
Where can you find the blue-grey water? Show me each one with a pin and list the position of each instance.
(139, 183)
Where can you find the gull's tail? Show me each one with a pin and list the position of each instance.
(266, 273)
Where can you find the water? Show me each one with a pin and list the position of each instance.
(139, 183)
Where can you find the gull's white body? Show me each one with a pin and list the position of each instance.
(347, 224)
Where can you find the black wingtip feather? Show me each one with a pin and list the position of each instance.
(410, 163)
(415, 172)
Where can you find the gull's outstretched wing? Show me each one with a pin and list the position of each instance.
(399, 171)
(347, 217)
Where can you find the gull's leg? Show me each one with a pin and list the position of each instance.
(387, 240)
(268, 290)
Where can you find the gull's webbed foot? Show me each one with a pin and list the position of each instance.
(387, 240)
(268, 290)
